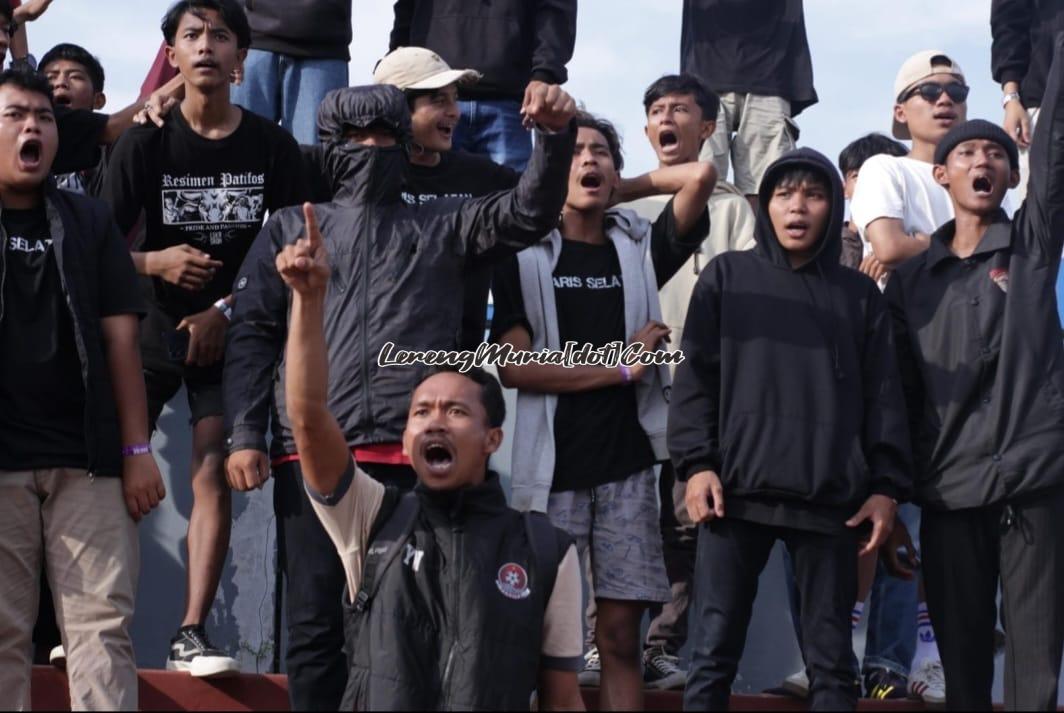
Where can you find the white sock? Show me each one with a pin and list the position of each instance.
(856, 614)
(926, 646)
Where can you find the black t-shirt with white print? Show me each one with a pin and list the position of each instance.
(597, 435)
(42, 396)
(211, 194)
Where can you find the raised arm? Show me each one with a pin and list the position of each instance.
(323, 451)
(1043, 212)
(494, 226)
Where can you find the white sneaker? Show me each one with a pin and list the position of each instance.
(193, 652)
(57, 657)
(927, 683)
(797, 684)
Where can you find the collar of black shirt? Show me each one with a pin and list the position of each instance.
(997, 237)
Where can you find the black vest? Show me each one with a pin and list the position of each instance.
(450, 611)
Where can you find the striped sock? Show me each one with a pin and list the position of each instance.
(926, 645)
(856, 614)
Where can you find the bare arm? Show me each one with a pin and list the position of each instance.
(321, 445)
(556, 379)
(891, 244)
(142, 484)
(691, 183)
(559, 691)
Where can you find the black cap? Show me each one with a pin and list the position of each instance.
(977, 129)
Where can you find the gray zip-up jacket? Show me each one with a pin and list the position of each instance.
(397, 277)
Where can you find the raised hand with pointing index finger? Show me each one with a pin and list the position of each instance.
(304, 266)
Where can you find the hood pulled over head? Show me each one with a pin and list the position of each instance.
(829, 245)
(364, 173)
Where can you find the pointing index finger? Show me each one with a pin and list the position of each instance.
(313, 232)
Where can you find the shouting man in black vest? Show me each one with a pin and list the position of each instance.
(435, 568)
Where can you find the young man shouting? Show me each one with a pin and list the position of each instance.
(789, 360)
(204, 182)
(587, 438)
(444, 583)
(76, 470)
(681, 117)
(983, 366)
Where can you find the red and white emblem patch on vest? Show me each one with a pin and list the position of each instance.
(1000, 276)
(512, 581)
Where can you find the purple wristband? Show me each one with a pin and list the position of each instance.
(626, 373)
(138, 449)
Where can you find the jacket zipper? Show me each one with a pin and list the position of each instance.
(456, 578)
(365, 305)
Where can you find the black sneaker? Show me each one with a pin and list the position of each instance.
(193, 652)
(662, 671)
(592, 673)
(881, 684)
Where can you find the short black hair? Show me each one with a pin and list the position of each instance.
(28, 80)
(5, 10)
(798, 175)
(231, 11)
(78, 54)
(490, 390)
(707, 101)
(587, 120)
(857, 152)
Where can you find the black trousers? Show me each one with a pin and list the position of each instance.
(679, 537)
(965, 555)
(731, 555)
(314, 585)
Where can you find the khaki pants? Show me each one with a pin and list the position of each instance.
(79, 530)
(752, 132)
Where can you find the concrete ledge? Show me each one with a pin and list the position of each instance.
(168, 691)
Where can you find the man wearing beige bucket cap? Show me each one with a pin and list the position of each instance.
(435, 171)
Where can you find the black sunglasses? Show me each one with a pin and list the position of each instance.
(931, 91)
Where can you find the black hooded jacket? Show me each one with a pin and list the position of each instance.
(789, 390)
(1022, 48)
(397, 274)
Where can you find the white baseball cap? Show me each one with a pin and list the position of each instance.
(919, 67)
(419, 68)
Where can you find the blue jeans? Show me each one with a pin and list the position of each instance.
(891, 638)
(289, 89)
(493, 128)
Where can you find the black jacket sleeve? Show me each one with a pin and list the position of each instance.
(694, 406)
(404, 14)
(1042, 216)
(886, 434)
(494, 226)
(669, 250)
(912, 382)
(555, 39)
(255, 341)
(120, 287)
(1010, 27)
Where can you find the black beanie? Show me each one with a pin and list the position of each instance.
(977, 129)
